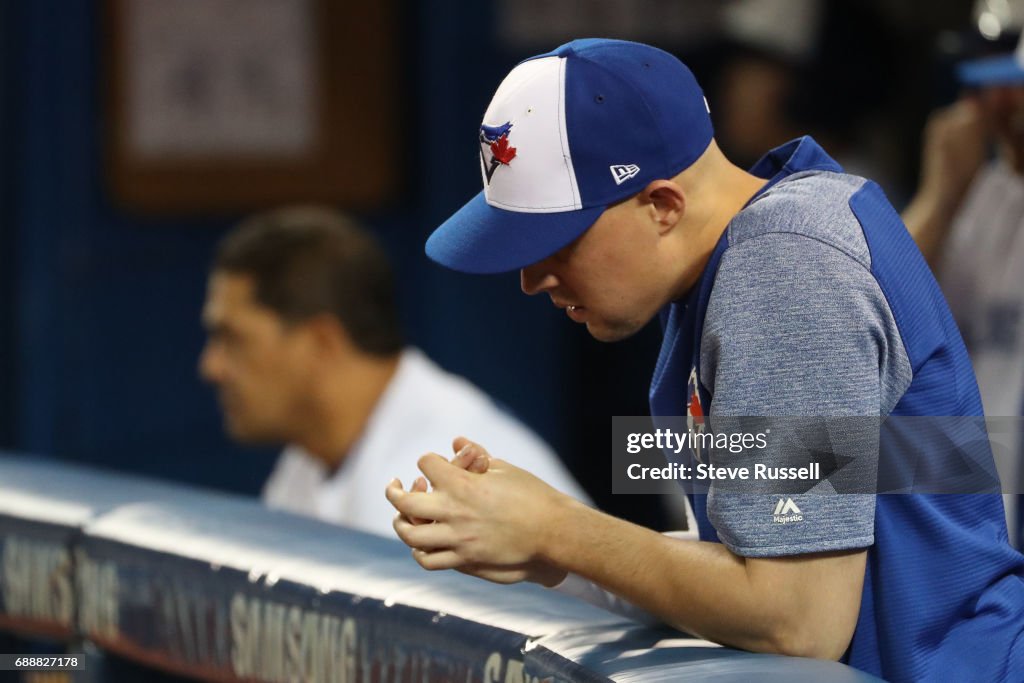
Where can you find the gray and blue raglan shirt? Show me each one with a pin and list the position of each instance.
(816, 302)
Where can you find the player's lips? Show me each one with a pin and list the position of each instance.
(575, 312)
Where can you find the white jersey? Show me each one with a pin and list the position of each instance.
(982, 276)
(421, 411)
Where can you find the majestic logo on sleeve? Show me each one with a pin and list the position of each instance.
(786, 512)
(494, 139)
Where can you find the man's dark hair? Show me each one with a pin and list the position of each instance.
(310, 260)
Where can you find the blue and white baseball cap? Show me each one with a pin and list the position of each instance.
(999, 70)
(567, 134)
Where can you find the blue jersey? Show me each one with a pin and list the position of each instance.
(816, 301)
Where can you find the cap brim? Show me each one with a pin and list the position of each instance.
(483, 239)
(1003, 70)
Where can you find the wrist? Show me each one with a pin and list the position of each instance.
(556, 533)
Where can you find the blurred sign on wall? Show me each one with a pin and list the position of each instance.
(236, 104)
(533, 24)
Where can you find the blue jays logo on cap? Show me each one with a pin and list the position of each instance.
(495, 138)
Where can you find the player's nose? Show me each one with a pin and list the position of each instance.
(537, 278)
(210, 365)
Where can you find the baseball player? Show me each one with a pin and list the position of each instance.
(788, 289)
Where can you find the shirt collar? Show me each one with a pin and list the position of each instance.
(801, 154)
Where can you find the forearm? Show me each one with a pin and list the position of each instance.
(506, 526)
(586, 590)
(955, 146)
(701, 588)
(928, 220)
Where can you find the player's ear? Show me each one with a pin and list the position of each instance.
(327, 334)
(667, 203)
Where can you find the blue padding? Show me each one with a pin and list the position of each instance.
(217, 586)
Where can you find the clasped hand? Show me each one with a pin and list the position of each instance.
(479, 515)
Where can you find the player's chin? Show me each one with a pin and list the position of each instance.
(604, 331)
(248, 431)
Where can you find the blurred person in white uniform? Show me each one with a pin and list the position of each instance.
(305, 349)
(968, 219)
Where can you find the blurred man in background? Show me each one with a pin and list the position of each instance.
(305, 349)
(794, 67)
(968, 219)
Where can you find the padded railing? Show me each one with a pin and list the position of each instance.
(217, 587)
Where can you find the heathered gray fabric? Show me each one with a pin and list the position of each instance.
(797, 325)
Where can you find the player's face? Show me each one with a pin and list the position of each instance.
(606, 279)
(257, 363)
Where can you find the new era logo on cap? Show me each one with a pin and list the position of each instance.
(623, 172)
